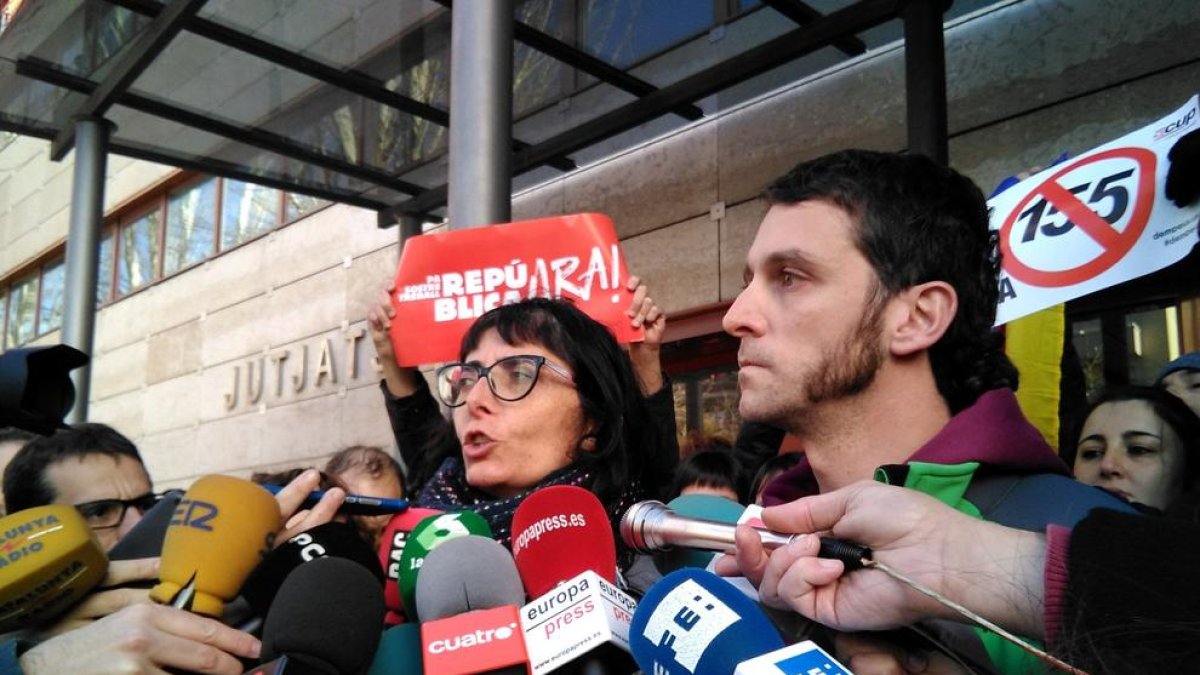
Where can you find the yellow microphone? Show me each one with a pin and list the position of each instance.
(222, 528)
(49, 559)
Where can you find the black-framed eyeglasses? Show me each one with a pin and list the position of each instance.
(510, 378)
(105, 513)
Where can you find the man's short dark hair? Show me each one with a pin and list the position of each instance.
(10, 434)
(917, 221)
(25, 484)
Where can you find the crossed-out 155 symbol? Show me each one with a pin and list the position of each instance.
(1094, 208)
(1106, 188)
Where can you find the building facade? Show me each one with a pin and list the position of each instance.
(231, 331)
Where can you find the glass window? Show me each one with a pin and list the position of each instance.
(22, 304)
(298, 206)
(104, 270)
(191, 220)
(1089, 345)
(247, 210)
(623, 32)
(139, 252)
(1152, 340)
(50, 310)
(537, 78)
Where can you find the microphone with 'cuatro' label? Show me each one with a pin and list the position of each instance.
(467, 597)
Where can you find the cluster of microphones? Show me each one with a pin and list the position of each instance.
(440, 596)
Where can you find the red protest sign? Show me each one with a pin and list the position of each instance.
(447, 280)
(1095, 208)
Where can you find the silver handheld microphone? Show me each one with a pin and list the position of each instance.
(652, 526)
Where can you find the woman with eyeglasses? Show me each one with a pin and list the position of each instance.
(541, 395)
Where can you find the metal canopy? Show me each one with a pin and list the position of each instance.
(348, 99)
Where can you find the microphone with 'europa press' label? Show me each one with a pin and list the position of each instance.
(578, 618)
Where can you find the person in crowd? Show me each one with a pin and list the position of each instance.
(865, 323)
(696, 441)
(711, 472)
(12, 439)
(141, 637)
(1119, 593)
(543, 395)
(368, 470)
(1141, 443)
(1181, 377)
(769, 471)
(90, 466)
(425, 441)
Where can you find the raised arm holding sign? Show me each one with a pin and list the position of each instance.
(587, 261)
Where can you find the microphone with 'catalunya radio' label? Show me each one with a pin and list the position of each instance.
(467, 597)
(693, 622)
(325, 620)
(222, 528)
(565, 551)
(49, 559)
(391, 549)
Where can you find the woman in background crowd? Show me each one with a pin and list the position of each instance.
(1142, 444)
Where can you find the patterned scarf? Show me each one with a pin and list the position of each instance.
(448, 491)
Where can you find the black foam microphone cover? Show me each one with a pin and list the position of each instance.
(328, 615)
(333, 539)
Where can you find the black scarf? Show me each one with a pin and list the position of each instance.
(448, 491)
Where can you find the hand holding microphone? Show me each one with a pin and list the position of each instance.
(143, 638)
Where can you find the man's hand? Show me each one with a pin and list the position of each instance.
(991, 569)
(292, 496)
(106, 598)
(645, 355)
(400, 381)
(143, 639)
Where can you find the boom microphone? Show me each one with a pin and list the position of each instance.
(332, 539)
(325, 620)
(49, 559)
(222, 528)
(703, 507)
(559, 532)
(651, 526)
(391, 549)
(694, 623)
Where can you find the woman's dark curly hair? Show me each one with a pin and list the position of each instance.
(625, 436)
(918, 221)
